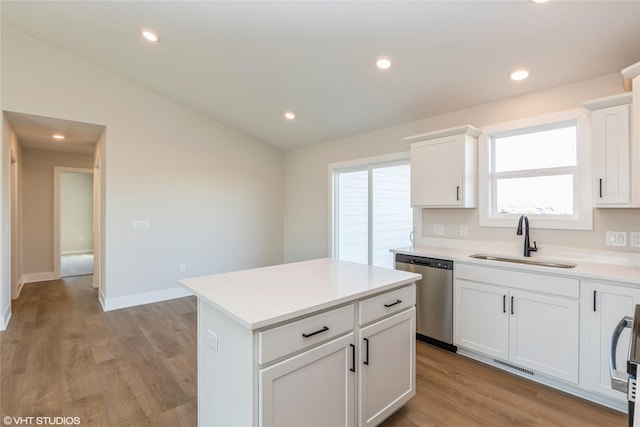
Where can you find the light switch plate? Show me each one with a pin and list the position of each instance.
(634, 240)
(616, 238)
(464, 230)
(138, 224)
(438, 229)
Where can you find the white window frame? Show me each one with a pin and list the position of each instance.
(582, 219)
(353, 166)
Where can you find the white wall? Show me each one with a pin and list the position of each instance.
(213, 196)
(38, 208)
(306, 173)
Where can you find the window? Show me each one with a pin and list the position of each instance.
(371, 209)
(536, 167)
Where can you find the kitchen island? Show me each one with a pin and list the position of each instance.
(320, 342)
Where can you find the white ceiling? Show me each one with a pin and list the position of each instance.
(36, 132)
(245, 63)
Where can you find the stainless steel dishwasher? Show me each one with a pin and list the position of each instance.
(434, 298)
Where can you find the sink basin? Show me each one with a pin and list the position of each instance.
(524, 261)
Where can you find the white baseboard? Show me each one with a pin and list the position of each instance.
(6, 316)
(39, 277)
(77, 252)
(116, 303)
(20, 286)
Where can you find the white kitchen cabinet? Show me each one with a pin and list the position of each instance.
(526, 319)
(443, 168)
(610, 303)
(481, 321)
(315, 388)
(610, 127)
(283, 345)
(387, 368)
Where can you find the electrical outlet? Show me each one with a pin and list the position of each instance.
(183, 267)
(616, 238)
(634, 240)
(438, 229)
(464, 230)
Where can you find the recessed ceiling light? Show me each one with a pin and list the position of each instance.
(383, 63)
(289, 115)
(150, 35)
(519, 74)
(57, 136)
(538, 1)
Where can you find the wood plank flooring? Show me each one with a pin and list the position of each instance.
(62, 356)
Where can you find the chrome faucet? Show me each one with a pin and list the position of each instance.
(527, 249)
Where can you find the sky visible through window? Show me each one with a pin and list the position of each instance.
(523, 168)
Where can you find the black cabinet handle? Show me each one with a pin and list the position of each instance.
(511, 305)
(600, 187)
(366, 351)
(353, 358)
(594, 301)
(504, 303)
(393, 303)
(324, 329)
(458, 192)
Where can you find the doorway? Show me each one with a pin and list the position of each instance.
(74, 192)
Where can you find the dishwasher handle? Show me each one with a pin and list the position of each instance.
(619, 380)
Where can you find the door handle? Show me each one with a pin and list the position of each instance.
(319, 331)
(594, 301)
(511, 305)
(366, 351)
(353, 358)
(458, 193)
(619, 380)
(393, 303)
(600, 187)
(504, 303)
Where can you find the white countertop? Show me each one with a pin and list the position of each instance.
(261, 297)
(591, 270)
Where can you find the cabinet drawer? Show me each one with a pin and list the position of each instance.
(388, 303)
(278, 342)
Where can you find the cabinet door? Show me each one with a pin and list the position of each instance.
(387, 366)
(315, 388)
(611, 155)
(609, 304)
(481, 320)
(437, 175)
(544, 334)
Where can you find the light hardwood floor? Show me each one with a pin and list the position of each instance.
(62, 356)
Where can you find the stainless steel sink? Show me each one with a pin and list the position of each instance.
(542, 263)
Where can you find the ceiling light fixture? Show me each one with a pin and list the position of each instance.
(383, 63)
(289, 115)
(57, 136)
(150, 35)
(519, 74)
(538, 1)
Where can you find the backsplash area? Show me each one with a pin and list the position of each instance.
(455, 221)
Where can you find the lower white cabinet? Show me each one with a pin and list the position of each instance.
(609, 304)
(533, 330)
(387, 369)
(314, 388)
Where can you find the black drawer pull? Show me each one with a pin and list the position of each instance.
(324, 329)
(393, 303)
(366, 354)
(353, 358)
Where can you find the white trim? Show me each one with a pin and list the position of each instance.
(57, 170)
(77, 252)
(126, 301)
(6, 317)
(39, 277)
(21, 283)
(583, 220)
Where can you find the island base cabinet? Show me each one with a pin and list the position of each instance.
(315, 388)
(387, 367)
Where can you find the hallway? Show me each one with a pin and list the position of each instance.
(62, 356)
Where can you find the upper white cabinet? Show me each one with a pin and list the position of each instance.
(610, 124)
(443, 168)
